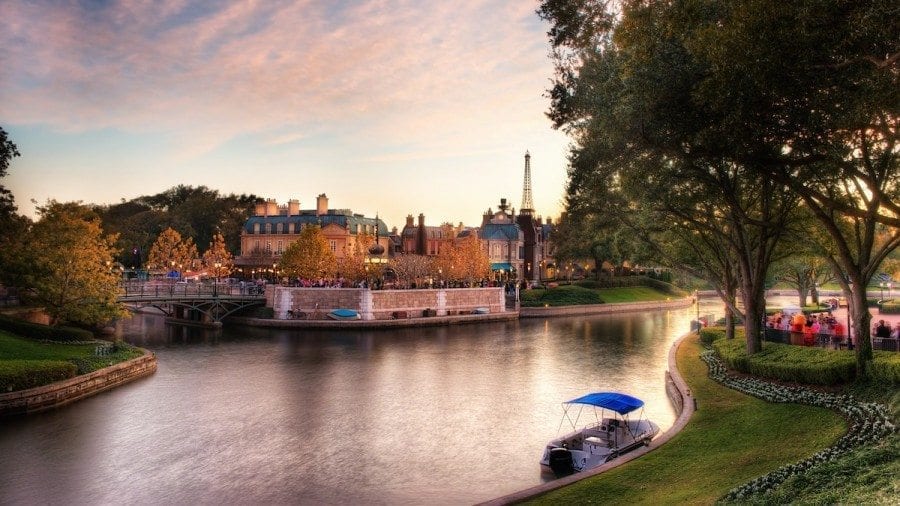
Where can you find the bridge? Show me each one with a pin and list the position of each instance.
(192, 302)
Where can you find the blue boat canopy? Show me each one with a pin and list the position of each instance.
(345, 313)
(620, 403)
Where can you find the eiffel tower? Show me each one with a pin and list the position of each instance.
(527, 207)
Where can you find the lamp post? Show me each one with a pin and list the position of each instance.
(697, 299)
(216, 285)
(881, 285)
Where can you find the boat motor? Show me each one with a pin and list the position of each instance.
(561, 462)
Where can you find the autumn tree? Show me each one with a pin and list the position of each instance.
(69, 266)
(170, 251)
(12, 226)
(353, 265)
(471, 261)
(217, 259)
(411, 269)
(309, 257)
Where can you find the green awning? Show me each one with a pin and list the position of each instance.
(504, 266)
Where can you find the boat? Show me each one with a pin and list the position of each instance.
(343, 314)
(610, 433)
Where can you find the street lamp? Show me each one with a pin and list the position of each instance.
(216, 286)
(697, 301)
(881, 285)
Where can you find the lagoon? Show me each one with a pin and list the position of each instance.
(442, 415)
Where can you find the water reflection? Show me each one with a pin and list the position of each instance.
(437, 415)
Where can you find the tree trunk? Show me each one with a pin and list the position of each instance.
(815, 295)
(862, 319)
(729, 322)
(803, 290)
(753, 314)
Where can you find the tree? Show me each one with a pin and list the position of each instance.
(171, 252)
(69, 266)
(12, 226)
(8, 151)
(217, 259)
(471, 263)
(411, 269)
(354, 266)
(309, 257)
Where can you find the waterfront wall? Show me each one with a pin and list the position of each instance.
(384, 304)
(612, 308)
(60, 393)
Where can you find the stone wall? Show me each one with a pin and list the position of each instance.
(60, 393)
(612, 308)
(383, 304)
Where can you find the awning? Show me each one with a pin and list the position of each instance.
(620, 403)
(505, 266)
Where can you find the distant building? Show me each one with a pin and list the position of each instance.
(272, 228)
(421, 239)
(504, 241)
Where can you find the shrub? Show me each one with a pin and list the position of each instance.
(44, 332)
(22, 374)
(890, 308)
(569, 295)
(786, 362)
(886, 367)
(710, 334)
(591, 284)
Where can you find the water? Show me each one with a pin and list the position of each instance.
(448, 415)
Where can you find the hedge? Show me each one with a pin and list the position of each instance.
(567, 295)
(44, 332)
(890, 308)
(886, 367)
(22, 374)
(785, 362)
(710, 334)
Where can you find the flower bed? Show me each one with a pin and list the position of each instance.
(869, 423)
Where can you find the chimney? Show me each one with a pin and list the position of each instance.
(271, 207)
(549, 221)
(293, 207)
(409, 220)
(260, 209)
(321, 205)
(421, 245)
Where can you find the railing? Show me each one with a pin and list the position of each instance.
(145, 289)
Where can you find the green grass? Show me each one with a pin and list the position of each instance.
(573, 295)
(633, 294)
(731, 439)
(23, 358)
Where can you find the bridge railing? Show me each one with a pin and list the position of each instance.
(153, 289)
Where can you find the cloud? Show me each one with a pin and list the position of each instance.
(388, 71)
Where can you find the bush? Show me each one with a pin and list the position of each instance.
(591, 284)
(886, 367)
(710, 334)
(22, 374)
(569, 295)
(44, 332)
(787, 362)
(890, 308)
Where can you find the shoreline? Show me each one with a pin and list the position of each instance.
(679, 394)
(60, 393)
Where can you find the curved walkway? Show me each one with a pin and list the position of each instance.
(682, 395)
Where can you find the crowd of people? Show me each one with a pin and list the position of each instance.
(821, 328)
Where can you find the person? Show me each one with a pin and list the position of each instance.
(896, 333)
(882, 330)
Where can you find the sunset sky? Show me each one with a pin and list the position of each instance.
(395, 107)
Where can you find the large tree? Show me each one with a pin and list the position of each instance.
(12, 225)
(69, 265)
(217, 260)
(171, 252)
(309, 257)
(802, 96)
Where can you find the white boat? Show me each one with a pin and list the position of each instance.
(609, 433)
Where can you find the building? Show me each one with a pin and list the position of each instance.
(503, 239)
(273, 227)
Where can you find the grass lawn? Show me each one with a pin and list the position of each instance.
(633, 294)
(573, 295)
(15, 349)
(731, 439)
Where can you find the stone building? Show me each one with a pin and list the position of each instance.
(273, 227)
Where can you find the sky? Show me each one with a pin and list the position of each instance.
(387, 106)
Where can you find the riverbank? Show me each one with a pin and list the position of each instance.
(422, 321)
(682, 400)
(608, 308)
(60, 393)
(728, 442)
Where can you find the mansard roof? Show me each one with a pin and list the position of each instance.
(500, 232)
(340, 218)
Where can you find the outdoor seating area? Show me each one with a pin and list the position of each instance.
(826, 330)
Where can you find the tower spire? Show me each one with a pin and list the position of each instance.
(527, 207)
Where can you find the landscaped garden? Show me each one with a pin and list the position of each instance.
(590, 293)
(750, 450)
(27, 363)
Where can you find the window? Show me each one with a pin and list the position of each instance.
(268, 246)
(256, 228)
(256, 243)
(280, 247)
(290, 228)
(268, 228)
(333, 245)
(521, 252)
